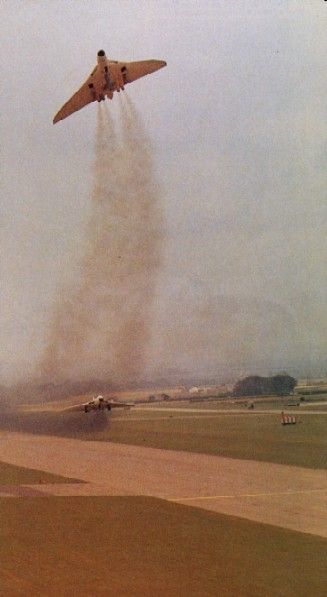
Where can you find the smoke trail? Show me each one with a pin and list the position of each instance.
(143, 243)
(102, 328)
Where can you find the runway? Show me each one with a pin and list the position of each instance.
(231, 411)
(285, 496)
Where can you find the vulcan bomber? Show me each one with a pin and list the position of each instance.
(107, 77)
(100, 403)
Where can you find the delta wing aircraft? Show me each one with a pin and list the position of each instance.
(107, 76)
(100, 403)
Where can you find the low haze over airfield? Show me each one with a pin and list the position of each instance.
(237, 125)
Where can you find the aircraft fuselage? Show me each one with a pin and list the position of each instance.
(98, 403)
(106, 78)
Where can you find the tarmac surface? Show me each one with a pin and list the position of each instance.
(285, 496)
(232, 411)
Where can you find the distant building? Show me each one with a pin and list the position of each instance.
(194, 390)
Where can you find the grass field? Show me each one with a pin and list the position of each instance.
(145, 546)
(257, 437)
(314, 406)
(17, 475)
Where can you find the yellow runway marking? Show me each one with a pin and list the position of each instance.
(240, 495)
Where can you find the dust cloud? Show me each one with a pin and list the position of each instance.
(102, 324)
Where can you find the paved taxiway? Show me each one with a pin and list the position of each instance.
(286, 496)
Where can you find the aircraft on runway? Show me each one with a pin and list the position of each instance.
(101, 403)
(107, 76)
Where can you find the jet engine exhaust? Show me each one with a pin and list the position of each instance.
(102, 328)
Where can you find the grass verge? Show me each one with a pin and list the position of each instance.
(18, 475)
(145, 546)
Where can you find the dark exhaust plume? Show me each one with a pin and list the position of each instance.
(102, 325)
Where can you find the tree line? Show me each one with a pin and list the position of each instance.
(255, 385)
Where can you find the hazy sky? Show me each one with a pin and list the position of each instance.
(238, 126)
